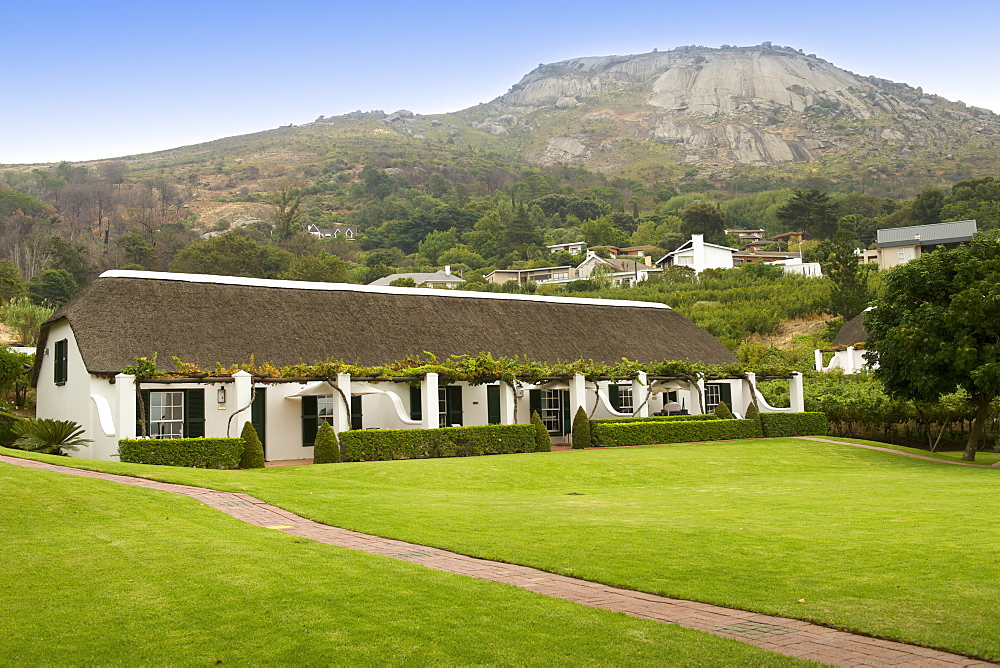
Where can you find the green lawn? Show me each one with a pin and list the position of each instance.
(987, 458)
(890, 546)
(99, 573)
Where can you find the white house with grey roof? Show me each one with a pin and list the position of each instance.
(899, 245)
(216, 322)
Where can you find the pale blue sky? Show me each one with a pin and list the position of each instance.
(92, 79)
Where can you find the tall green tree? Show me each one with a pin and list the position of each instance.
(703, 218)
(849, 295)
(811, 211)
(286, 216)
(935, 329)
(52, 286)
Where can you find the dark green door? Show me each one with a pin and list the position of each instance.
(258, 415)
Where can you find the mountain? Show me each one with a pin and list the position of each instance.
(763, 115)
(719, 109)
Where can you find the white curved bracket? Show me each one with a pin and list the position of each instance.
(769, 408)
(603, 395)
(104, 414)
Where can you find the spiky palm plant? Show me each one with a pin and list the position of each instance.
(50, 437)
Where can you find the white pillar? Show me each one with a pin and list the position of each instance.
(640, 394)
(342, 406)
(242, 395)
(849, 367)
(508, 397)
(430, 407)
(751, 383)
(577, 395)
(698, 398)
(818, 358)
(125, 413)
(796, 395)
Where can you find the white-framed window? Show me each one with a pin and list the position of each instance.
(625, 403)
(713, 395)
(560, 274)
(166, 414)
(683, 259)
(552, 411)
(324, 408)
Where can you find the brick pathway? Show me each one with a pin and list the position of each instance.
(785, 636)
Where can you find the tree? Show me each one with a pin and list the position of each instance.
(253, 449)
(136, 249)
(55, 286)
(926, 207)
(935, 329)
(403, 282)
(703, 218)
(849, 294)
(323, 268)
(601, 232)
(11, 284)
(327, 445)
(811, 211)
(227, 254)
(287, 215)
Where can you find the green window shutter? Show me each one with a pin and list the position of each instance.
(453, 402)
(61, 362)
(356, 420)
(194, 413)
(493, 404)
(564, 407)
(416, 410)
(310, 421)
(727, 394)
(258, 414)
(534, 403)
(615, 397)
(140, 411)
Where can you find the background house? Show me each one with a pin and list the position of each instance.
(443, 278)
(698, 256)
(849, 350)
(899, 245)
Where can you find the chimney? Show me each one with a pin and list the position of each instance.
(698, 248)
(447, 269)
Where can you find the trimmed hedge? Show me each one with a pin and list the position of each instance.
(650, 433)
(199, 453)
(793, 424)
(655, 418)
(384, 444)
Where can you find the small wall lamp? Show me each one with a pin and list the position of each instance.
(221, 394)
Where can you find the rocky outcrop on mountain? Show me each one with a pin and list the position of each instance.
(761, 105)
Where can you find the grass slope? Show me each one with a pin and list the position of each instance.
(895, 547)
(98, 573)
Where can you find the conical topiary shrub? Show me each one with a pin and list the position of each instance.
(542, 441)
(581, 429)
(722, 411)
(327, 450)
(253, 449)
(753, 413)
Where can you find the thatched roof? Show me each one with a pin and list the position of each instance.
(852, 332)
(209, 319)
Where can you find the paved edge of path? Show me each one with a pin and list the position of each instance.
(777, 634)
(901, 453)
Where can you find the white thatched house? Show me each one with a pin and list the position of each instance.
(207, 320)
